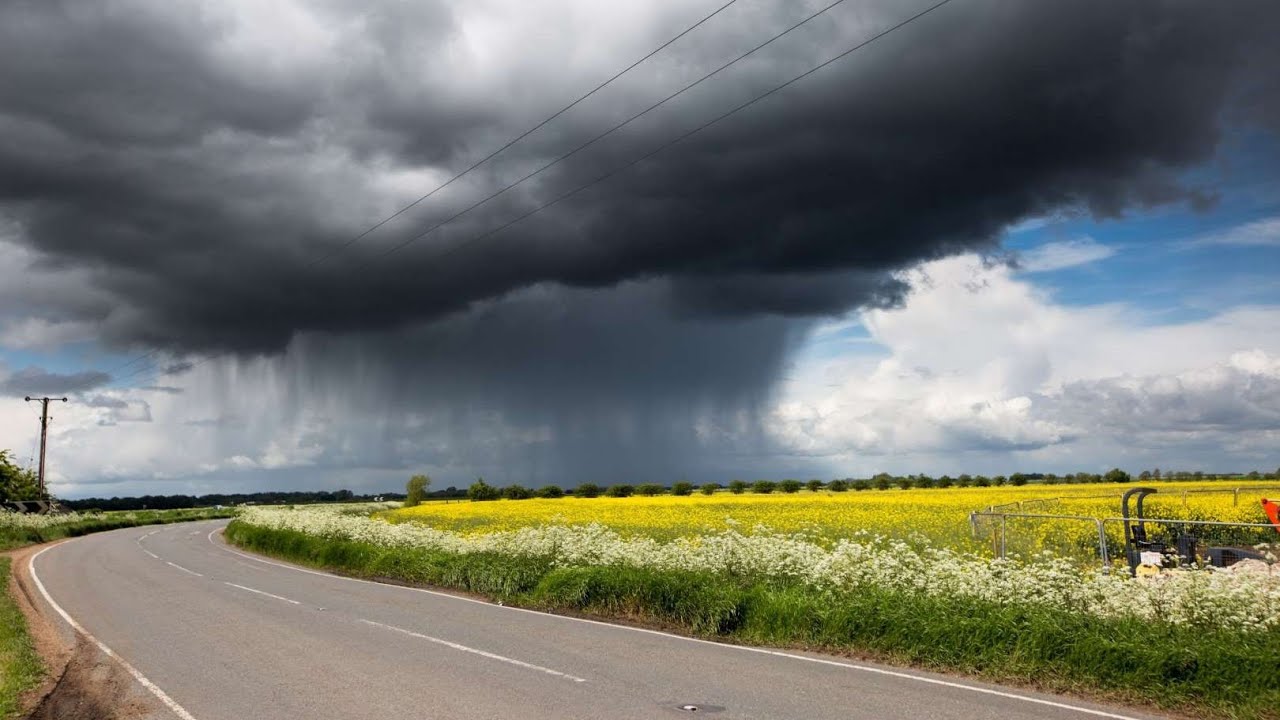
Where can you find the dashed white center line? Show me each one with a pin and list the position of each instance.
(150, 553)
(474, 651)
(260, 592)
(192, 572)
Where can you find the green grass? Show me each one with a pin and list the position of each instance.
(20, 668)
(1207, 673)
(14, 537)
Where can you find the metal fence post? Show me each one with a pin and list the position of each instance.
(1102, 546)
(1003, 528)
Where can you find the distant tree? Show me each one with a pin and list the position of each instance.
(964, 480)
(763, 487)
(1155, 474)
(481, 491)
(903, 483)
(1255, 475)
(415, 490)
(619, 491)
(737, 487)
(587, 490)
(650, 489)
(709, 488)
(682, 488)
(1144, 475)
(999, 480)
(860, 485)
(982, 481)
(1017, 479)
(924, 482)
(1116, 475)
(550, 491)
(814, 485)
(517, 492)
(790, 486)
(838, 486)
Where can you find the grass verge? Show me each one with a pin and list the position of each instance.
(1208, 673)
(20, 667)
(15, 537)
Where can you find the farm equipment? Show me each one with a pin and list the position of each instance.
(1182, 547)
(1272, 509)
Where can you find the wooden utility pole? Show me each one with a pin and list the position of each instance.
(44, 434)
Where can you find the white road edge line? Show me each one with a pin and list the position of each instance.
(743, 648)
(150, 553)
(481, 653)
(173, 564)
(249, 589)
(169, 702)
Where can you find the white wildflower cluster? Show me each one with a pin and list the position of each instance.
(37, 521)
(1248, 601)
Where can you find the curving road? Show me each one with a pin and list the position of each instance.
(211, 633)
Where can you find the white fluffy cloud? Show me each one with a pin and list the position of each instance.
(982, 362)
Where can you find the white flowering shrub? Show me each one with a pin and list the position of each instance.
(38, 522)
(1207, 598)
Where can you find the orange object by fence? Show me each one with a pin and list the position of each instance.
(1272, 509)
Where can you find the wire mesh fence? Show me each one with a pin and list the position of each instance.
(1216, 527)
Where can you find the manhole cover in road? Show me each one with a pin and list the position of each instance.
(697, 708)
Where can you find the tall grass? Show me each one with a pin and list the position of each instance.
(20, 668)
(1210, 673)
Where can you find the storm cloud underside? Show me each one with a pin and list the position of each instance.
(197, 173)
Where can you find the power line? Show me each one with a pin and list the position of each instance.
(143, 356)
(679, 138)
(660, 148)
(521, 136)
(606, 133)
(483, 160)
(156, 366)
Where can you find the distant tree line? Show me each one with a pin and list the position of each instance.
(18, 483)
(173, 502)
(483, 491)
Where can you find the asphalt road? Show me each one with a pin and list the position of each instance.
(221, 635)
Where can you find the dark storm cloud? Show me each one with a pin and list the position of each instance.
(38, 381)
(195, 168)
(141, 142)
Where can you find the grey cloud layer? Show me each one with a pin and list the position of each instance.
(38, 381)
(142, 142)
(192, 167)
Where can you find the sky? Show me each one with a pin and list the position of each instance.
(1000, 237)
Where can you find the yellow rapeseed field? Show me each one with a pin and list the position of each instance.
(939, 516)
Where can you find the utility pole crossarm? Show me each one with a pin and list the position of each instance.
(44, 434)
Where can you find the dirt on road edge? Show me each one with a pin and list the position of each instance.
(82, 682)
